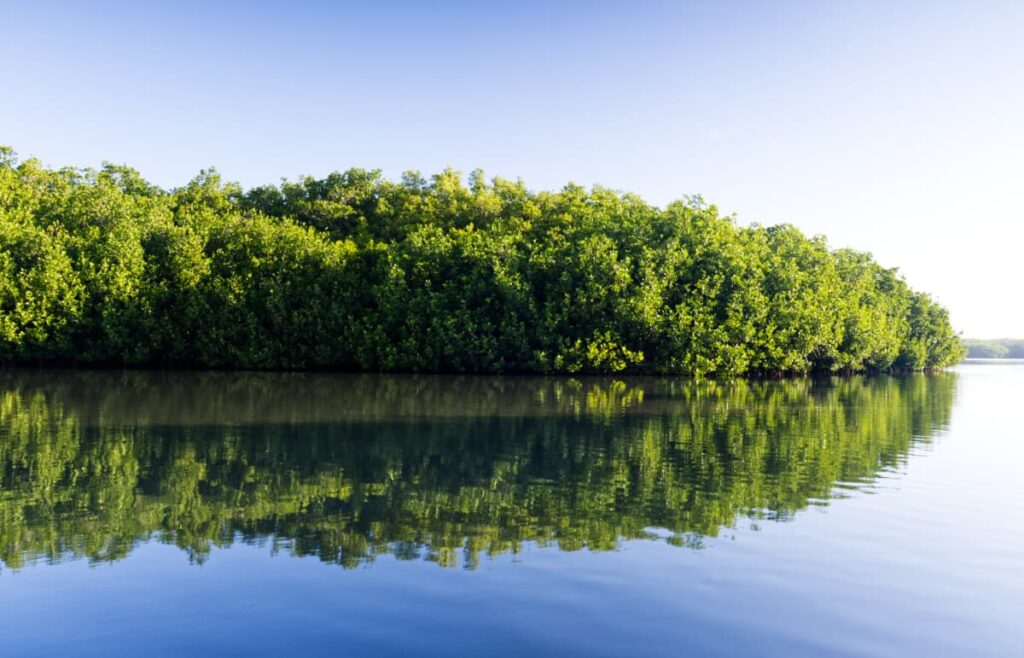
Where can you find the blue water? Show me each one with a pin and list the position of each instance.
(332, 515)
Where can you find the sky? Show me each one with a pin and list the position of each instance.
(890, 127)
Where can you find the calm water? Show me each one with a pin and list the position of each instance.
(270, 514)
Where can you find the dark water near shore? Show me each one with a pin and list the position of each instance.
(299, 514)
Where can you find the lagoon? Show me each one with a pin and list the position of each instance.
(320, 514)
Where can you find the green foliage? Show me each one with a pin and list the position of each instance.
(357, 272)
(350, 467)
(1000, 348)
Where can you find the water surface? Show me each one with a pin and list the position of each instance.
(262, 514)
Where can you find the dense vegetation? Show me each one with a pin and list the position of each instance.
(355, 272)
(999, 348)
(348, 468)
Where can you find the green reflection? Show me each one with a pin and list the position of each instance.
(447, 469)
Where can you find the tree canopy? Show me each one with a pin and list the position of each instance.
(357, 272)
(998, 348)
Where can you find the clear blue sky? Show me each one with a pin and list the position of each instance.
(896, 128)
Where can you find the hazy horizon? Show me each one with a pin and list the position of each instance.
(893, 128)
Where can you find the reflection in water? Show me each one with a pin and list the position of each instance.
(347, 468)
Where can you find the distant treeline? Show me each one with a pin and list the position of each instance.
(359, 273)
(998, 348)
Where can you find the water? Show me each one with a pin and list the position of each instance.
(286, 514)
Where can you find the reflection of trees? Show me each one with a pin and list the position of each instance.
(347, 468)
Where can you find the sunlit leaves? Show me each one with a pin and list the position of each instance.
(354, 271)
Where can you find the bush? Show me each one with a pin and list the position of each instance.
(357, 272)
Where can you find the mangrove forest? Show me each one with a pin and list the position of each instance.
(998, 348)
(357, 272)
